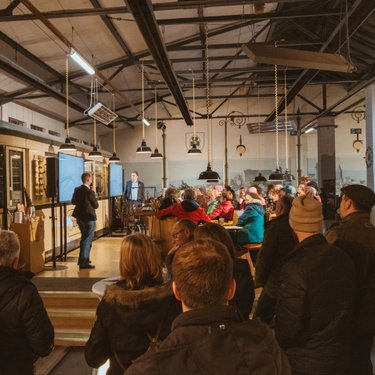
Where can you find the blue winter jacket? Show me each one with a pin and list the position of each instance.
(252, 220)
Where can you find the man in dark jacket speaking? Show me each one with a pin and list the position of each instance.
(316, 297)
(209, 336)
(26, 332)
(85, 203)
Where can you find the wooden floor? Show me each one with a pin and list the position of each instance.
(105, 255)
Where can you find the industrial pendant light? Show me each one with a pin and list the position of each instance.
(67, 146)
(156, 154)
(143, 148)
(95, 153)
(194, 150)
(114, 158)
(208, 174)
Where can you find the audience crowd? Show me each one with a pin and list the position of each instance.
(194, 310)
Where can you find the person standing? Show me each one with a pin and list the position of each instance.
(316, 297)
(86, 203)
(135, 190)
(355, 234)
(26, 332)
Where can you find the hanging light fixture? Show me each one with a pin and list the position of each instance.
(114, 158)
(143, 148)
(277, 174)
(241, 149)
(194, 150)
(156, 154)
(95, 153)
(67, 146)
(208, 174)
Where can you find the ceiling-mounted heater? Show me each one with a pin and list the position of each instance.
(101, 113)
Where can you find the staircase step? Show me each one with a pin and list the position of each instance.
(69, 338)
(70, 299)
(77, 318)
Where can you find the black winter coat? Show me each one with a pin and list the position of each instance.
(315, 306)
(26, 332)
(279, 240)
(213, 341)
(125, 319)
(85, 203)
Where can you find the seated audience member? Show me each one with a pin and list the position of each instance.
(241, 198)
(257, 194)
(170, 198)
(316, 298)
(213, 200)
(188, 209)
(235, 204)
(301, 190)
(26, 332)
(182, 233)
(225, 208)
(244, 296)
(209, 337)
(279, 241)
(134, 310)
(252, 220)
(355, 234)
(289, 191)
(202, 197)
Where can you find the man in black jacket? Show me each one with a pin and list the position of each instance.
(26, 332)
(209, 337)
(355, 234)
(85, 203)
(135, 190)
(316, 297)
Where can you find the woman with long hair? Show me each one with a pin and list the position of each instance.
(135, 311)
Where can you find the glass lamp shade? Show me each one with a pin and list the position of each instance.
(95, 153)
(194, 150)
(156, 154)
(143, 148)
(357, 145)
(67, 146)
(209, 174)
(114, 158)
(241, 149)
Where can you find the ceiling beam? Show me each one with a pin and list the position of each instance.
(147, 25)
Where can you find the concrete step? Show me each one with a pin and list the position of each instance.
(72, 337)
(71, 318)
(67, 300)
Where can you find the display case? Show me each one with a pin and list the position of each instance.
(38, 178)
(16, 176)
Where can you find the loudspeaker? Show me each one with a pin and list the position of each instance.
(52, 177)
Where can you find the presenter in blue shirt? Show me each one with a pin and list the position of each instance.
(134, 190)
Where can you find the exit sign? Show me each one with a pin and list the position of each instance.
(355, 131)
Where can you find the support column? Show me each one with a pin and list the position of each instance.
(370, 140)
(327, 159)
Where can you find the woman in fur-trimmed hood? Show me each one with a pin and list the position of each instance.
(133, 310)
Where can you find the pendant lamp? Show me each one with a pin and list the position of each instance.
(194, 150)
(68, 145)
(114, 158)
(208, 174)
(156, 154)
(143, 148)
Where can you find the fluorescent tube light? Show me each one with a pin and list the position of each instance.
(146, 122)
(82, 62)
(309, 130)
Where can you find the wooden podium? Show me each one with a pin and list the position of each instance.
(31, 236)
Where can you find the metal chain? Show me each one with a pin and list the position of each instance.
(209, 125)
(286, 120)
(95, 100)
(67, 93)
(194, 131)
(114, 122)
(156, 117)
(276, 119)
(143, 99)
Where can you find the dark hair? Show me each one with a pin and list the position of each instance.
(189, 194)
(171, 193)
(283, 205)
(85, 176)
(136, 172)
(227, 195)
(212, 231)
(202, 271)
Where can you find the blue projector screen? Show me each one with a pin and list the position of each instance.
(115, 180)
(70, 172)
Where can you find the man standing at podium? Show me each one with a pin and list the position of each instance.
(86, 203)
(134, 190)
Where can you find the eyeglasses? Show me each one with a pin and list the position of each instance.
(175, 235)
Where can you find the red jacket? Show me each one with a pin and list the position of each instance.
(189, 210)
(225, 209)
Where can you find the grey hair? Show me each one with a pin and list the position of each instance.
(9, 247)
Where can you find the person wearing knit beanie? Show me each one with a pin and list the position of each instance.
(306, 215)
